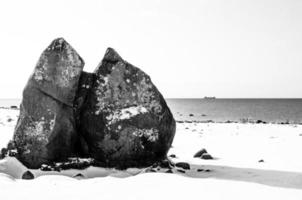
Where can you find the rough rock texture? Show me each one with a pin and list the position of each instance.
(125, 120)
(45, 131)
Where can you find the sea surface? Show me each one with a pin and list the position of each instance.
(223, 110)
(239, 110)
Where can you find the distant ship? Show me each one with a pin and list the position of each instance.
(209, 97)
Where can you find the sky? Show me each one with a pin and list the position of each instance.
(190, 48)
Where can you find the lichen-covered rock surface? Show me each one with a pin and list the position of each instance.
(125, 120)
(46, 129)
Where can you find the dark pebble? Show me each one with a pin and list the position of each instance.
(183, 165)
(206, 156)
(200, 170)
(28, 175)
(200, 153)
(79, 175)
(169, 171)
(261, 160)
(172, 156)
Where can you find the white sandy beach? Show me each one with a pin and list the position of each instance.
(234, 173)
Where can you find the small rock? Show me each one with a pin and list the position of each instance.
(203, 115)
(259, 121)
(200, 170)
(9, 119)
(28, 175)
(169, 171)
(79, 176)
(12, 153)
(183, 165)
(206, 156)
(191, 115)
(172, 156)
(166, 164)
(3, 153)
(207, 170)
(14, 107)
(260, 160)
(46, 168)
(200, 153)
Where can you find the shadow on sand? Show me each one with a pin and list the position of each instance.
(12, 168)
(267, 177)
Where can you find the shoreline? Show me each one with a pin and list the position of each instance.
(240, 121)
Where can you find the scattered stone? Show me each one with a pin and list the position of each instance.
(260, 161)
(72, 163)
(45, 167)
(200, 170)
(9, 119)
(169, 171)
(191, 115)
(12, 153)
(45, 131)
(203, 115)
(125, 120)
(208, 170)
(9, 151)
(164, 164)
(183, 165)
(28, 175)
(79, 176)
(3, 153)
(200, 153)
(14, 107)
(206, 156)
(172, 156)
(260, 122)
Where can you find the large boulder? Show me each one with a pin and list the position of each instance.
(46, 130)
(125, 120)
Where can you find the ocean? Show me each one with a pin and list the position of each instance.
(222, 110)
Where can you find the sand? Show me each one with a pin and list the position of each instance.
(251, 161)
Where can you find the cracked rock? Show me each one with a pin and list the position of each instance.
(125, 119)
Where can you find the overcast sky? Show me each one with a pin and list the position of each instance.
(189, 48)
